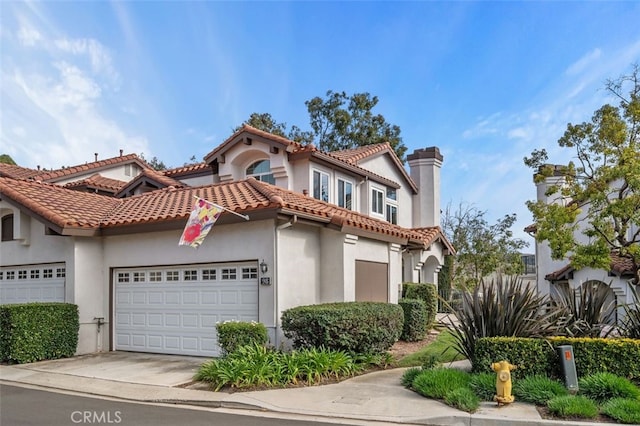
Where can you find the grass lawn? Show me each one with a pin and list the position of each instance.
(442, 348)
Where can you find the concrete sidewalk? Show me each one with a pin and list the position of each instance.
(371, 397)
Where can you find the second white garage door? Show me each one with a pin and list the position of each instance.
(174, 310)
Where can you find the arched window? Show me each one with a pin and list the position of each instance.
(261, 170)
(7, 227)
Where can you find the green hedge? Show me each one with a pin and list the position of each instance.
(426, 292)
(37, 331)
(356, 327)
(233, 334)
(415, 319)
(539, 356)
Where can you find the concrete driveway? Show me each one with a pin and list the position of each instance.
(129, 367)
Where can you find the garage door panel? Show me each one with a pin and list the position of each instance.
(32, 283)
(178, 311)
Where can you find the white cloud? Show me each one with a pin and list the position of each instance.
(57, 99)
(581, 64)
(28, 36)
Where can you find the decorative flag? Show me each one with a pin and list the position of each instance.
(203, 215)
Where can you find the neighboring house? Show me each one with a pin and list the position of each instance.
(324, 227)
(553, 274)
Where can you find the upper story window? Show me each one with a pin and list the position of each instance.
(377, 201)
(345, 194)
(392, 206)
(529, 263)
(7, 227)
(320, 185)
(261, 170)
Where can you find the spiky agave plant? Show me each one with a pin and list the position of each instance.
(501, 307)
(584, 312)
(630, 326)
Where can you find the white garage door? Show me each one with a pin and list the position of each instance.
(174, 310)
(32, 283)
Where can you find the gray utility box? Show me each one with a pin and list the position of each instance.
(568, 367)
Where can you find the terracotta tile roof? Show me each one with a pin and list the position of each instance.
(97, 181)
(432, 234)
(74, 210)
(353, 156)
(52, 176)
(621, 266)
(186, 170)
(286, 143)
(65, 208)
(356, 155)
(17, 172)
(156, 178)
(531, 229)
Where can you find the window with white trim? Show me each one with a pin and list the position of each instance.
(345, 194)
(139, 277)
(47, 273)
(61, 272)
(173, 276)
(155, 276)
(190, 275)
(392, 206)
(124, 277)
(35, 274)
(11, 275)
(229, 273)
(22, 274)
(249, 273)
(377, 201)
(261, 170)
(1, 276)
(209, 274)
(320, 186)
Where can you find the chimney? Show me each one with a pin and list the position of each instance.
(38, 166)
(424, 166)
(556, 178)
(120, 153)
(96, 155)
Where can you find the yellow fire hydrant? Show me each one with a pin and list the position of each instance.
(503, 382)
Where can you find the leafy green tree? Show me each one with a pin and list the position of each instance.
(337, 122)
(6, 159)
(601, 191)
(155, 163)
(481, 248)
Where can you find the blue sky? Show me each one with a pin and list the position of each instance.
(486, 82)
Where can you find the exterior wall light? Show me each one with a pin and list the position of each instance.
(264, 268)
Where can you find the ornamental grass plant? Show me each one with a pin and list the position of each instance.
(538, 389)
(604, 386)
(624, 410)
(573, 406)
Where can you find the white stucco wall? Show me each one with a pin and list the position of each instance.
(198, 181)
(115, 172)
(384, 166)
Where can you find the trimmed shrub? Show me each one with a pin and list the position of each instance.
(539, 356)
(595, 355)
(356, 327)
(426, 293)
(463, 399)
(483, 385)
(538, 389)
(604, 386)
(415, 319)
(573, 406)
(623, 410)
(234, 334)
(436, 383)
(37, 331)
(530, 356)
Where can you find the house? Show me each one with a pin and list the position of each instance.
(324, 227)
(553, 274)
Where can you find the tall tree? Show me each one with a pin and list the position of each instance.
(601, 190)
(481, 248)
(6, 158)
(338, 122)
